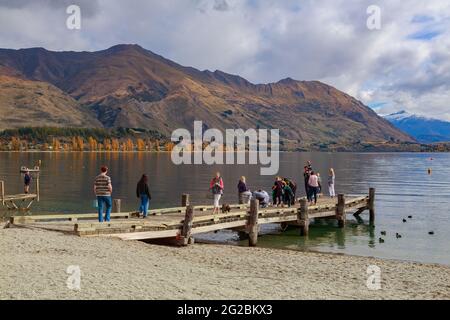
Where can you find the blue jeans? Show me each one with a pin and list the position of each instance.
(145, 202)
(107, 201)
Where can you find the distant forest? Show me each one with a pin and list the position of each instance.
(81, 139)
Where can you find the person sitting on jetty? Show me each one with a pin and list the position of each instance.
(143, 193)
(244, 192)
(263, 198)
(313, 184)
(331, 180)
(217, 187)
(278, 192)
(103, 191)
(27, 182)
(288, 195)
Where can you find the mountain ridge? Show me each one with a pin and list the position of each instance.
(423, 129)
(129, 86)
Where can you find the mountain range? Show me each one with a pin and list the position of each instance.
(423, 129)
(131, 87)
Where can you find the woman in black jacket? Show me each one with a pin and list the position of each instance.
(143, 193)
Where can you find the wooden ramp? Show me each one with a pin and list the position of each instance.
(185, 221)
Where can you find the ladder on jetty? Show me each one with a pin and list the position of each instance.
(182, 223)
(22, 201)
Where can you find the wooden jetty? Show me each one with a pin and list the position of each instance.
(184, 222)
(21, 201)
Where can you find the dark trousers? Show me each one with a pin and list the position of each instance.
(308, 191)
(313, 191)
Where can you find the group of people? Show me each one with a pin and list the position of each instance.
(283, 191)
(313, 183)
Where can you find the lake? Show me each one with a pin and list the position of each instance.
(403, 185)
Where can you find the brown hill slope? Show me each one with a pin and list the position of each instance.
(129, 86)
(34, 104)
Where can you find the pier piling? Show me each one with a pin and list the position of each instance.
(186, 232)
(252, 223)
(371, 204)
(340, 211)
(2, 191)
(117, 205)
(185, 200)
(303, 217)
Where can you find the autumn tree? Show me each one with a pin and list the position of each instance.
(80, 143)
(129, 146)
(107, 145)
(56, 144)
(93, 144)
(115, 145)
(170, 146)
(140, 143)
(15, 144)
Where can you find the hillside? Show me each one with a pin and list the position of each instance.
(128, 86)
(34, 103)
(423, 129)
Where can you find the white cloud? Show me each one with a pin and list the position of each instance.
(405, 65)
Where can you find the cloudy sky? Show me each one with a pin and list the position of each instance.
(403, 65)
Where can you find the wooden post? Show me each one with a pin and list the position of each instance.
(340, 211)
(185, 200)
(371, 204)
(303, 217)
(252, 223)
(38, 188)
(187, 226)
(117, 205)
(2, 192)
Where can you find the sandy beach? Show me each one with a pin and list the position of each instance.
(33, 265)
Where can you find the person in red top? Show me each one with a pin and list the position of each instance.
(216, 186)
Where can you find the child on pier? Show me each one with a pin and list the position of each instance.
(27, 182)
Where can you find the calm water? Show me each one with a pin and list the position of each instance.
(403, 188)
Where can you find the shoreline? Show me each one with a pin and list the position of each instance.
(34, 264)
(308, 251)
(281, 151)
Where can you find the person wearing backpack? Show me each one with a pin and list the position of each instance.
(216, 186)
